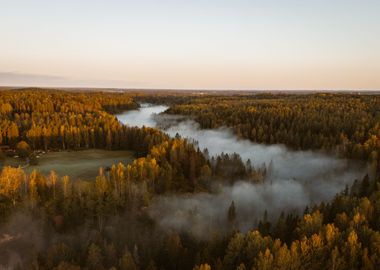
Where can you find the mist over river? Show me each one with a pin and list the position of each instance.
(295, 179)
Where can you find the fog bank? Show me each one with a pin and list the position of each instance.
(294, 180)
(141, 117)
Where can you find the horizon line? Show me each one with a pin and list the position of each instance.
(21, 87)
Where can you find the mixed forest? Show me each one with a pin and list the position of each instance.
(54, 222)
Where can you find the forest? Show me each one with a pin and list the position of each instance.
(49, 221)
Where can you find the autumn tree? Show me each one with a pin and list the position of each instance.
(11, 180)
(23, 149)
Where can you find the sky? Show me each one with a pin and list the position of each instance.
(193, 44)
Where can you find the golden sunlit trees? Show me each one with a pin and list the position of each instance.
(53, 178)
(50, 119)
(343, 234)
(204, 266)
(23, 149)
(95, 224)
(11, 180)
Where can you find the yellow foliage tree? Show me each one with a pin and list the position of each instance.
(10, 183)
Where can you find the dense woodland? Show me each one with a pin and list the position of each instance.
(345, 123)
(54, 222)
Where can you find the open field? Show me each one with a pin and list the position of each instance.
(76, 164)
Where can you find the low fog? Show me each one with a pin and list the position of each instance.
(294, 180)
(203, 214)
(19, 238)
(142, 116)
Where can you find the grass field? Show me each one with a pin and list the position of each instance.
(76, 164)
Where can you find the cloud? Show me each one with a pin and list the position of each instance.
(27, 79)
(13, 78)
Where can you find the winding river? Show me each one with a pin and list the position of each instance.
(297, 178)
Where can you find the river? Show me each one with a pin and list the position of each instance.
(297, 178)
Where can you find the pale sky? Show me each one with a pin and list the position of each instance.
(193, 44)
